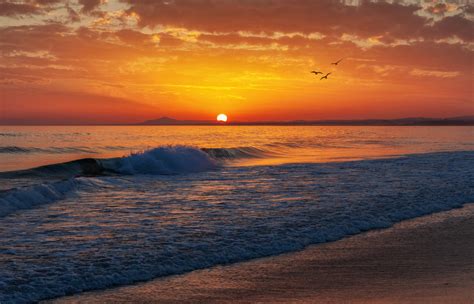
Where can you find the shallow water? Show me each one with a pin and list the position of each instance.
(171, 210)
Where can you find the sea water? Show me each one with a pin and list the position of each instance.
(85, 208)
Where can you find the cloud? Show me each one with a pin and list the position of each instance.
(434, 73)
(452, 26)
(73, 15)
(133, 37)
(15, 9)
(440, 8)
(390, 21)
(89, 5)
(21, 8)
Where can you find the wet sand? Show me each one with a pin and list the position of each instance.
(424, 260)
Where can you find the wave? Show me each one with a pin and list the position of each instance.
(15, 149)
(160, 160)
(237, 152)
(75, 168)
(163, 160)
(234, 152)
(54, 150)
(32, 196)
(11, 134)
(28, 197)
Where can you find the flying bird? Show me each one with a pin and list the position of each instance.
(337, 62)
(325, 76)
(316, 72)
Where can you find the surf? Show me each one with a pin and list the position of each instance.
(170, 159)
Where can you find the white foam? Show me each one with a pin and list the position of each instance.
(163, 160)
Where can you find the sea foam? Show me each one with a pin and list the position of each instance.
(162, 160)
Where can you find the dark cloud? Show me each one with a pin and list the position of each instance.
(89, 5)
(438, 8)
(73, 15)
(454, 26)
(19, 8)
(132, 37)
(390, 20)
(268, 16)
(46, 2)
(469, 9)
(15, 9)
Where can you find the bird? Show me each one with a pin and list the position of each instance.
(337, 62)
(325, 76)
(316, 72)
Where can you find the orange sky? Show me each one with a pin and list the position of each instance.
(96, 61)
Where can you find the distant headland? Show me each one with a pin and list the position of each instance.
(168, 121)
(414, 121)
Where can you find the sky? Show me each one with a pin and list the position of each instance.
(104, 61)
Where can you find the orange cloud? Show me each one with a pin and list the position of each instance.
(251, 59)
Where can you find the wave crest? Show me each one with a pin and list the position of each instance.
(162, 160)
(15, 149)
(53, 150)
(238, 152)
(29, 197)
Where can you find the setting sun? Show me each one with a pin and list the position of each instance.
(222, 117)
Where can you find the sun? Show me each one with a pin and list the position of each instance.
(222, 118)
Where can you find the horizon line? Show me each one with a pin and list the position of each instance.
(422, 121)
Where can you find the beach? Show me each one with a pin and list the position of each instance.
(423, 260)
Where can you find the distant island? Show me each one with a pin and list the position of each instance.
(414, 121)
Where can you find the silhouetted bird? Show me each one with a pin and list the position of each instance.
(337, 62)
(316, 72)
(325, 76)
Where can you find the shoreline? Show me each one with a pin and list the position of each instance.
(425, 259)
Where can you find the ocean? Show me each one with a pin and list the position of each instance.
(92, 207)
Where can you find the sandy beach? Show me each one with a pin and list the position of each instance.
(423, 260)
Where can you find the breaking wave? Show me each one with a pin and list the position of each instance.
(157, 161)
(31, 196)
(160, 160)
